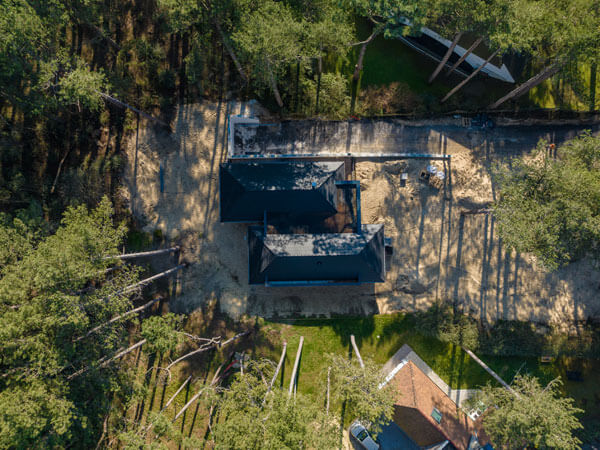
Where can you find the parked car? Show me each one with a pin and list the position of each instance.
(362, 436)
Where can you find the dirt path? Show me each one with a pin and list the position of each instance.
(437, 252)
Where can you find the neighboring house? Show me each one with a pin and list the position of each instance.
(310, 229)
(426, 410)
(302, 189)
(334, 258)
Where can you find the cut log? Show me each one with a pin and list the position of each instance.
(108, 361)
(281, 359)
(463, 57)
(529, 84)
(470, 77)
(205, 347)
(446, 57)
(119, 317)
(360, 361)
(117, 102)
(296, 364)
(145, 254)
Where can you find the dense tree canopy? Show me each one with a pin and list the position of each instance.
(550, 206)
(530, 416)
(54, 289)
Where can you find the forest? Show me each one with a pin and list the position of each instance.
(88, 342)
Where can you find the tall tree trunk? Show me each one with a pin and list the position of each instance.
(274, 86)
(470, 77)
(320, 72)
(463, 57)
(593, 71)
(446, 57)
(529, 84)
(229, 49)
(297, 85)
(361, 55)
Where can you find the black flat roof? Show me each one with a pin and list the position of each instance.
(306, 258)
(248, 189)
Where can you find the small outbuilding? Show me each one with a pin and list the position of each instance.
(252, 190)
(316, 259)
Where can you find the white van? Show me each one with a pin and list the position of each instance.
(362, 436)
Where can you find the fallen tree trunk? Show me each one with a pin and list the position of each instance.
(470, 77)
(107, 362)
(229, 49)
(114, 319)
(188, 404)
(296, 364)
(446, 57)
(145, 254)
(463, 57)
(205, 347)
(176, 394)
(199, 393)
(132, 108)
(529, 84)
(281, 359)
(360, 361)
(361, 54)
(146, 281)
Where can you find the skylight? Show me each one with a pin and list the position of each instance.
(437, 415)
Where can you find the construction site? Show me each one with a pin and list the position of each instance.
(428, 183)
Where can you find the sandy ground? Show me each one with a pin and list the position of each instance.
(438, 253)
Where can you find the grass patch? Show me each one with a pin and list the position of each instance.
(378, 337)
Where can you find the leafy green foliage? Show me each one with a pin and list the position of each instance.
(161, 332)
(360, 389)
(334, 100)
(535, 417)
(51, 292)
(551, 207)
(281, 422)
(443, 323)
(269, 38)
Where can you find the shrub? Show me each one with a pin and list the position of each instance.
(334, 100)
(388, 99)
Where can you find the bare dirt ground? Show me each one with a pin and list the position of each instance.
(438, 253)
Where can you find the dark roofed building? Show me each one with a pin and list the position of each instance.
(304, 259)
(293, 188)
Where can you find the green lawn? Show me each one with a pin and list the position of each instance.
(378, 337)
(389, 60)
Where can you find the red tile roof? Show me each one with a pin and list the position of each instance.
(416, 396)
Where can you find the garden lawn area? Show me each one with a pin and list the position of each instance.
(378, 338)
